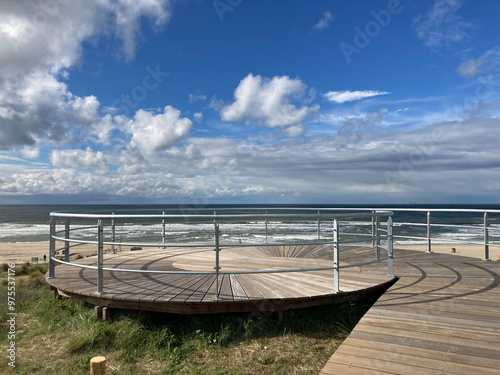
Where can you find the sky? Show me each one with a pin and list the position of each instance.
(239, 101)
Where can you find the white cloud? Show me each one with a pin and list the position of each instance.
(198, 116)
(132, 162)
(324, 22)
(349, 96)
(442, 26)
(80, 159)
(267, 102)
(29, 153)
(40, 108)
(488, 62)
(86, 109)
(128, 14)
(152, 133)
(40, 41)
(470, 68)
(216, 104)
(376, 161)
(198, 96)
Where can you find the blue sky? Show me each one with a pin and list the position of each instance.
(239, 101)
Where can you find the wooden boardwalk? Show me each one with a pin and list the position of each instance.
(441, 317)
(193, 293)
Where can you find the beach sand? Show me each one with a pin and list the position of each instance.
(474, 251)
(23, 252)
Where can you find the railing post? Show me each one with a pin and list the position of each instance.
(373, 229)
(52, 248)
(429, 248)
(377, 235)
(266, 227)
(486, 238)
(113, 235)
(336, 258)
(319, 228)
(66, 243)
(99, 257)
(217, 268)
(390, 249)
(163, 230)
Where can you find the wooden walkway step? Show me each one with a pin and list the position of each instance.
(441, 317)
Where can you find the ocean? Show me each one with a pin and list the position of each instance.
(30, 223)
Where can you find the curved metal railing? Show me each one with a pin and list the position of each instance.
(263, 227)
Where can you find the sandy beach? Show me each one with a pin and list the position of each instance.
(474, 251)
(24, 252)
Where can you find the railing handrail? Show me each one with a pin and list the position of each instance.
(221, 217)
(252, 209)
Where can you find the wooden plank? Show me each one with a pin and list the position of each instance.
(353, 344)
(238, 291)
(443, 315)
(379, 364)
(201, 292)
(442, 363)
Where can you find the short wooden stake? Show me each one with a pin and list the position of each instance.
(98, 311)
(98, 366)
(106, 313)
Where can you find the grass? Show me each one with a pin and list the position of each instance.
(60, 336)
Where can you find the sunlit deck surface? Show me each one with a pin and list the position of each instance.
(193, 293)
(441, 317)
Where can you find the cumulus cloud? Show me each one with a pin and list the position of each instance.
(40, 41)
(267, 102)
(324, 22)
(442, 26)
(152, 133)
(349, 96)
(80, 159)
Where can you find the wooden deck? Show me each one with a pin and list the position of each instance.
(193, 293)
(441, 317)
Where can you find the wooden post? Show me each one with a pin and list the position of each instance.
(98, 366)
(98, 311)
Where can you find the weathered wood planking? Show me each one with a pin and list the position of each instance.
(441, 317)
(194, 293)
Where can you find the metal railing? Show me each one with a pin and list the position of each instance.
(276, 227)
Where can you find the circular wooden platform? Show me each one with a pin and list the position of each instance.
(193, 293)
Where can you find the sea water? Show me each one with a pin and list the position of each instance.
(30, 223)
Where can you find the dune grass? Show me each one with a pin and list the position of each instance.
(60, 336)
